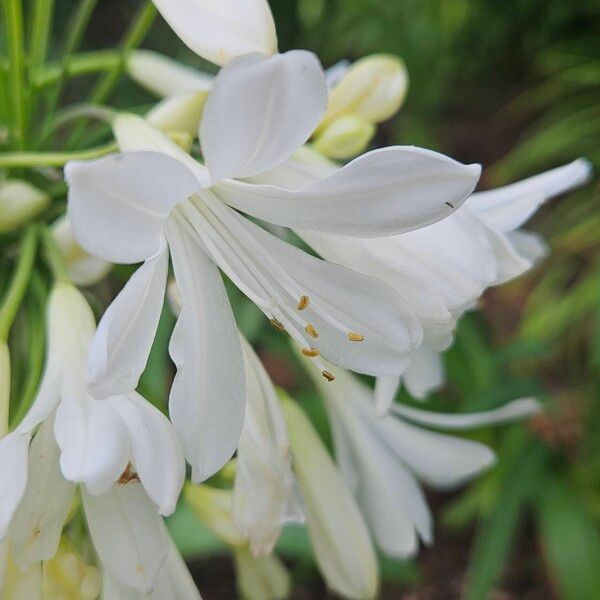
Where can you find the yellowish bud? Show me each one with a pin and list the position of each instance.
(179, 115)
(19, 203)
(373, 89)
(260, 577)
(344, 137)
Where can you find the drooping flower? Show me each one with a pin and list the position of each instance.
(384, 459)
(159, 197)
(122, 451)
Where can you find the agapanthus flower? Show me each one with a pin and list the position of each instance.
(135, 206)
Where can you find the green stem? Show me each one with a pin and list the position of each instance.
(13, 15)
(53, 159)
(20, 281)
(36, 309)
(42, 23)
(54, 257)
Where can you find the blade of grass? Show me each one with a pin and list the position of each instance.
(40, 31)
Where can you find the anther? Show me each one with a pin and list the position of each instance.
(303, 302)
(311, 331)
(276, 324)
(311, 352)
(128, 475)
(355, 337)
(328, 375)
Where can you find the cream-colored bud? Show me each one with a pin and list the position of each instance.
(344, 137)
(337, 530)
(84, 268)
(373, 89)
(165, 77)
(260, 577)
(179, 115)
(20, 202)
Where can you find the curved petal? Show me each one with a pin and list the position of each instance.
(425, 372)
(128, 534)
(13, 476)
(118, 204)
(157, 455)
(381, 193)
(284, 97)
(122, 343)
(386, 389)
(93, 440)
(517, 409)
(508, 207)
(208, 394)
(220, 31)
(39, 520)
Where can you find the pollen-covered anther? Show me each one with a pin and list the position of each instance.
(128, 475)
(355, 337)
(303, 302)
(311, 331)
(311, 352)
(276, 324)
(329, 376)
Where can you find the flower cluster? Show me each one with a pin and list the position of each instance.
(209, 181)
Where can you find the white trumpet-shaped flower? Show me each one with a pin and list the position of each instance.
(221, 31)
(441, 270)
(135, 206)
(107, 444)
(337, 530)
(383, 459)
(265, 492)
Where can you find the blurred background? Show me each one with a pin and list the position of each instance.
(514, 85)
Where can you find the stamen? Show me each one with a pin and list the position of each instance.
(311, 352)
(311, 331)
(328, 376)
(128, 475)
(277, 325)
(303, 302)
(355, 337)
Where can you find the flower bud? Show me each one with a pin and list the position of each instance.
(20, 202)
(84, 268)
(179, 115)
(260, 577)
(344, 137)
(337, 530)
(373, 89)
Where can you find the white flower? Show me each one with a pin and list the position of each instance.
(265, 492)
(441, 270)
(84, 268)
(130, 207)
(221, 31)
(105, 443)
(337, 530)
(20, 202)
(383, 459)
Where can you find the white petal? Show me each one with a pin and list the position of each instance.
(337, 531)
(425, 372)
(157, 455)
(381, 193)
(359, 303)
(221, 31)
(509, 262)
(38, 522)
(125, 333)
(164, 76)
(529, 245)
(128, 534)
(118, 204)
(265, 492)
(93, 439)
(26, 586)
(518, 409)
(284, 97)
(386, 389)
(13, 476)
(508, 207)
(207, 398)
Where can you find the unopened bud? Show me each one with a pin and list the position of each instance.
(344, 137)
(260, 577)
(20, 202)
(373, 89)
(179, 115)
